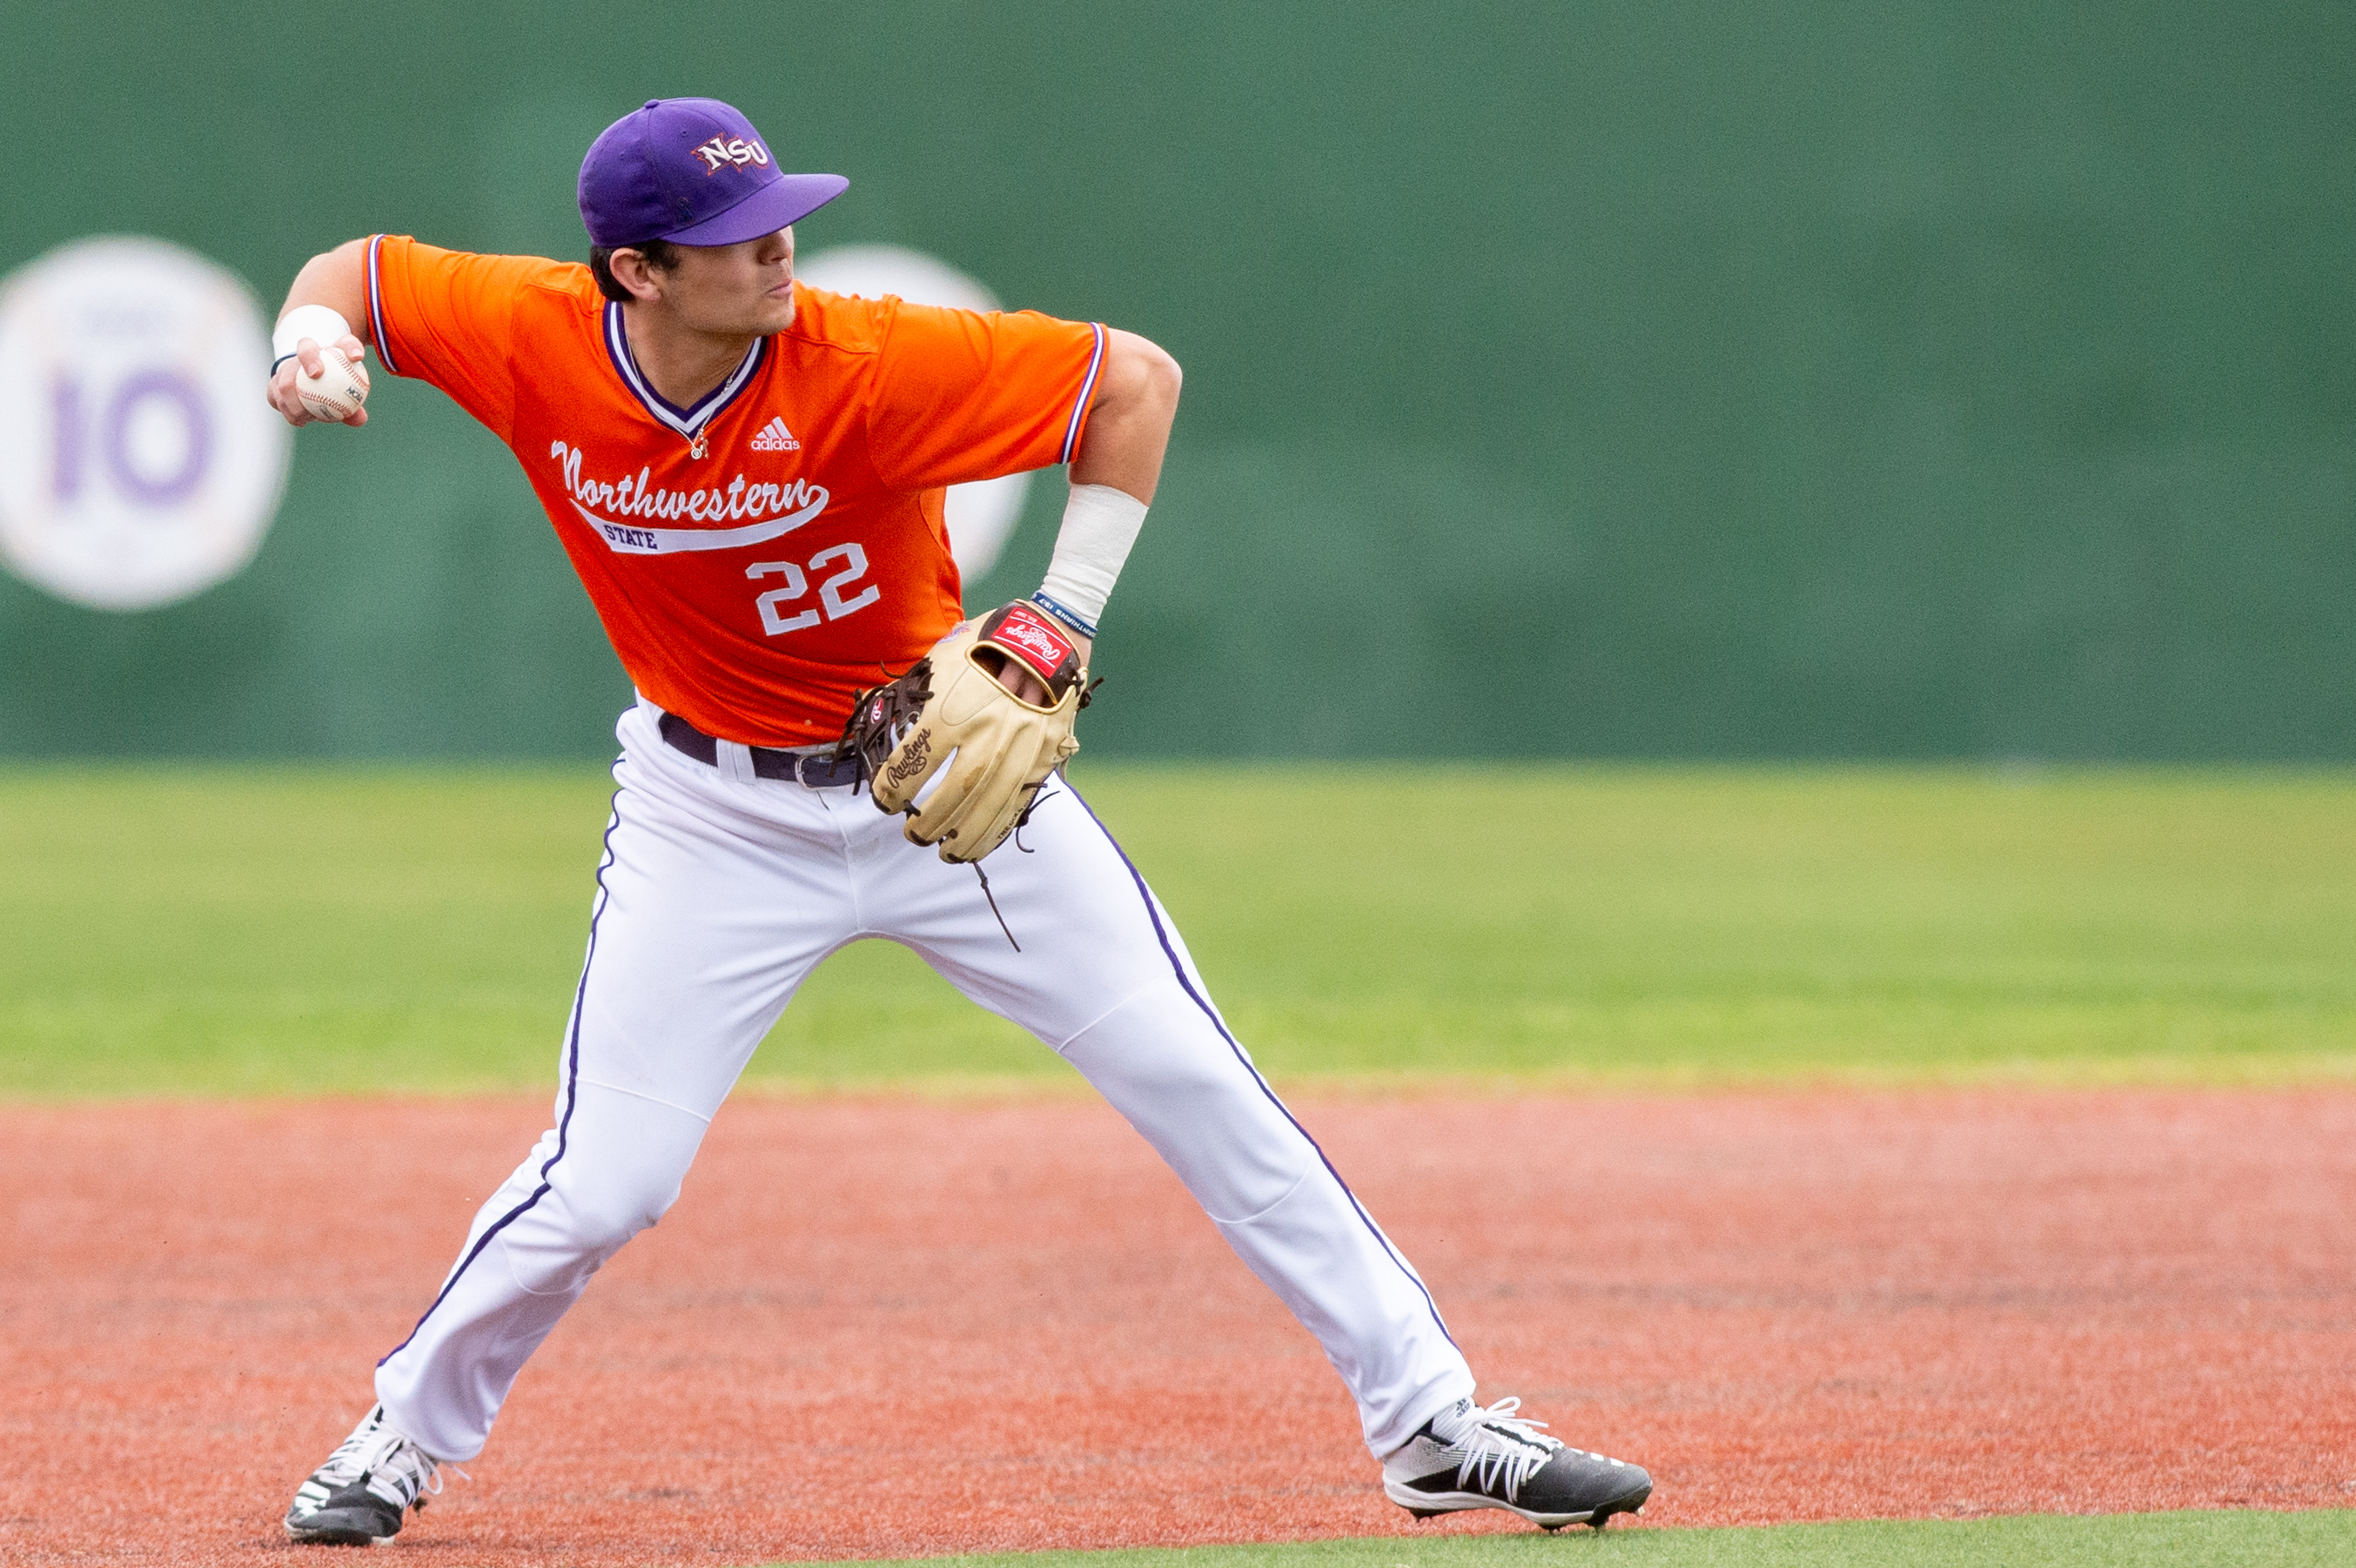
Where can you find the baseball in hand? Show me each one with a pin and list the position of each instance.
(337, 392)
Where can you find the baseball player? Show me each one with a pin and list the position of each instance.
(747, 474)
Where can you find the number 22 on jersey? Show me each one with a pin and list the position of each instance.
(775, 621)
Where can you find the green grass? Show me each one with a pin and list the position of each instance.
(2223, 1539)
(246, 931)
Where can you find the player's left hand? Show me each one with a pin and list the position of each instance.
(1017, 675)
(994, 700)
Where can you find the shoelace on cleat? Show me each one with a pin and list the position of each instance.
(398, 1470)
(1499, 1446)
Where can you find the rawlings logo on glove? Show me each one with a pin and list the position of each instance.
(952, 708)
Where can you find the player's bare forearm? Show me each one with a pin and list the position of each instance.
(339, 280)
(1128, 423)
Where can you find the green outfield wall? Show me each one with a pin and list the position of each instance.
(1712, 378)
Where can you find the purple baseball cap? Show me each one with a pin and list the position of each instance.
(693, 171)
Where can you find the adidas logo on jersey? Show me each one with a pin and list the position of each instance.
(776, 437)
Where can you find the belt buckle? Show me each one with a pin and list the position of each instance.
(825, 770)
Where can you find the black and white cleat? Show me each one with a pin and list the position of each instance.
(1471, 1457)
(360, 1494)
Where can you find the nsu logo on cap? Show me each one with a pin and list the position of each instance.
(718, 154)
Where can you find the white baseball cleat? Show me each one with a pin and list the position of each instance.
(360, 1494)
(1468, 1458)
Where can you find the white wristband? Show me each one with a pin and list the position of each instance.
(1100, 524)
(325, 324)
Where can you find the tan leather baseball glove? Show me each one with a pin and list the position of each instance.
(950, 709)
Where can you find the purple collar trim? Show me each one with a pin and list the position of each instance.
(687, 422)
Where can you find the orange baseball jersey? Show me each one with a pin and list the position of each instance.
(760, 557)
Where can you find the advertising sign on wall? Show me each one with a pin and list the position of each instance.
(139, 463)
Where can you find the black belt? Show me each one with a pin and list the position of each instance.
(817, 769)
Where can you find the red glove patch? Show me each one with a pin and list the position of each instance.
(1021, 631)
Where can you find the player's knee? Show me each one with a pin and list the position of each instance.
(1200, 1106)
(606, 1208)
(554, 1244)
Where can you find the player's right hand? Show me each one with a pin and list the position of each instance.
(307, 353)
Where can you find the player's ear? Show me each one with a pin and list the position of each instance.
(635, 272)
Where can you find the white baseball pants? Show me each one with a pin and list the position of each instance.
(718, 894)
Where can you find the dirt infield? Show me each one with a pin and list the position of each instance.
(897, 1328)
